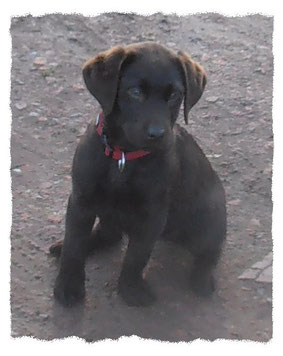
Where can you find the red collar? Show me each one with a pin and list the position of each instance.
(116, 152)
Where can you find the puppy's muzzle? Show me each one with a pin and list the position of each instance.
(155, 132)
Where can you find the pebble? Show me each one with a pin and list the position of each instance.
(44, 316)
(260, 271)
(78, 87)
(255, 222)
(54, 219)
(265, 276)
(249, 274)
(77, 114)
(53, 64)
(267, 261)
(33, 114)
(20, 105)
(46, 185)
(234, 202)
(18, 171)
(50, 80)
(42, 119)
(39, 61)
(215, 155)
(18, 81)
(212, 99)
(33, 54)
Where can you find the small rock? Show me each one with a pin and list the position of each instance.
(39, 61)
(21, 105)
(33, 114)
(44, 317)
(267, 261)
(77, 114)
(78, 87)
(33, 54)
(81, 132)
(46, 185)
(42, 119)
(234, 202)
(249, 274)
(18, 81)
(53, 64)
(265, 276)
(268, 170)
(214, 155)
(18, 171)
(212, 99)
(255, 222)
(59, 90)
(50, 80)
(235, 333)
(54, 219)
(25, 216)
(36, 137)
(269, 144)
(260, 70)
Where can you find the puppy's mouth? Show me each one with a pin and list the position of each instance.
(136, 142)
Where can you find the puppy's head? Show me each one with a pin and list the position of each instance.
(142, 86)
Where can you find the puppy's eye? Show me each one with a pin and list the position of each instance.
(136, 93)
(173, 96)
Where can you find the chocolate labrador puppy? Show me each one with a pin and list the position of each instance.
(141, 173)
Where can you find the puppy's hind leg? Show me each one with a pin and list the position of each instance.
(202, 279)
(210, 233)
(105, 234)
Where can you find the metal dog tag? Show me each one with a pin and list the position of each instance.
(97, 120)
(122, 162)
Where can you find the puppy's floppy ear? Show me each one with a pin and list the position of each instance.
(101, 75)
(195, 81)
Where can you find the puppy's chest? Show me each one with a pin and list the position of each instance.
(119, 187)
(130, 187)
(119, 183)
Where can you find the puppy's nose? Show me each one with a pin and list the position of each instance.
(155, 132)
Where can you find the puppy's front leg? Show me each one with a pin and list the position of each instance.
(70, 283)
(132, 287)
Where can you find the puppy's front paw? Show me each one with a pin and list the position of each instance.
(137, 293)
(69, 291)
(203, 284)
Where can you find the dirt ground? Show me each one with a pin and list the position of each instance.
(232, 123)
